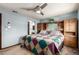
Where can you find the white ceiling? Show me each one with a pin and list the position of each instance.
(52, 9)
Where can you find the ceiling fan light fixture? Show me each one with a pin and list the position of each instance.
(38, 11)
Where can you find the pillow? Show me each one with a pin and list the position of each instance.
(49, 32)
(55, 33)
(56, 40)
(43, 32)
(52, 34)
(58, 33)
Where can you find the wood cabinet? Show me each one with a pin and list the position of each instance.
(70, 41)
(41, 26)
(70, 32)
(61, 26)
(70, 25)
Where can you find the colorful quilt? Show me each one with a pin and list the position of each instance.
(44, 44)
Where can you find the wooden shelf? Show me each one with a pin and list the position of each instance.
(61, 29)
(69, 35)
(69, 31)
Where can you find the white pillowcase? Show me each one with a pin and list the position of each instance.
(55, 33)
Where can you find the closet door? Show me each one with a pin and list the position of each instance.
(0, 29)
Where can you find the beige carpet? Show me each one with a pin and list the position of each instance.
(16, 50)
(69, 51)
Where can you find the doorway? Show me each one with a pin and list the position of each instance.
(31, 27)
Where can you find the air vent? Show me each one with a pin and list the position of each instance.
(14, 11)
(51, 20)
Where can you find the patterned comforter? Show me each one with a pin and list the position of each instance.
(44, 44)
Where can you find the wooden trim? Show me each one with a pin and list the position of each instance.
(0, 31)
(77, 33)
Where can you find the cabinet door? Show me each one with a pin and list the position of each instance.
(70, 25)
(70, 41)
(39, 26)
(73, 25)
(44, 26)
(66, 25)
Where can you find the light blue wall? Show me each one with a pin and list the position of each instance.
(67, 16)
(18, 27)
(61, 17)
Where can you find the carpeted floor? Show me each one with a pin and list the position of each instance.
(16, 50)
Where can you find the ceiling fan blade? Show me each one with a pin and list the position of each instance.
(43, 6)
(32, 9)
(42, 13)
(37, 7)
(27, 9)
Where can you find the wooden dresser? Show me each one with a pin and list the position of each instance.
(70, 32)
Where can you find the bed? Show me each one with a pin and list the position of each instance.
(45, 44)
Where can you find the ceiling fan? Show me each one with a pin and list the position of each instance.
(37, 9)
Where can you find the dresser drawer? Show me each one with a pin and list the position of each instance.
(70, 41)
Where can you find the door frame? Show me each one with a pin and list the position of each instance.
(0, 31)
(28, 26)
